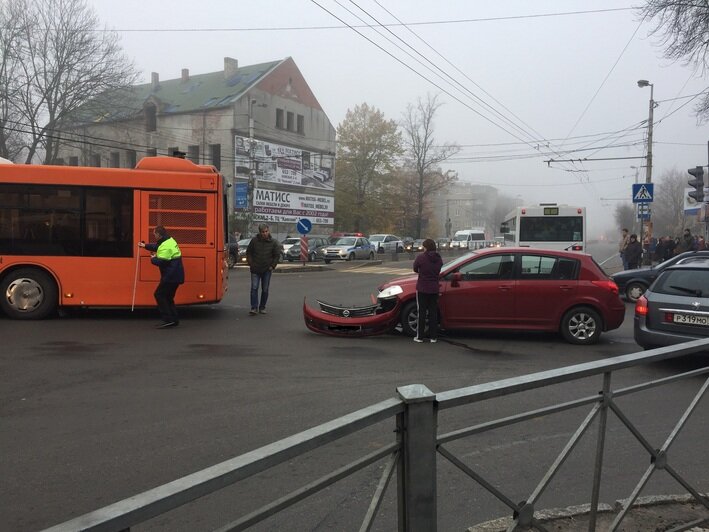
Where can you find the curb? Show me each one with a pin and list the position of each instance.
(657, 512)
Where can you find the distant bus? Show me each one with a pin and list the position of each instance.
(69, 235)
(546, 225)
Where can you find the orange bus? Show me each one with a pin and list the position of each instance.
(69, 235)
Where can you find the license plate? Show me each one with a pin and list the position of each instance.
(690, 319)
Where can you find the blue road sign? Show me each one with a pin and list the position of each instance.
(643, 192)
(643, 211)
(304, 226)
(242, 195)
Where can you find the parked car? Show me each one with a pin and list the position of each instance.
(443, 243)
(493, 288)
(316, 249)
(417, 245)
(287, 243)
(675, 308)
(349, 248)
(633, 283)
(384, 243)
(241, 257)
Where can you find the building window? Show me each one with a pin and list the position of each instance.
(152, 152)
(96, 160)
(73, 160)
(215, 155)
(130, 158)
(171, 150)
(115, 159)
(151, 119)
(59, 161)
(301, 124)
(290, 122)
(193, 154)
(279, 118)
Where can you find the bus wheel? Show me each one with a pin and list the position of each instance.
(28, 294)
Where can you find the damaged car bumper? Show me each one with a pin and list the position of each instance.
(337, 320)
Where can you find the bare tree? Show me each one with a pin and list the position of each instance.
(683, 28)
(668, 207)
(12, 137)
(424, 155)
(63, 61)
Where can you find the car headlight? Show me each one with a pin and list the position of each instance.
(390, 292)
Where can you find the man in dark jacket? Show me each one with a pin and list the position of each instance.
(168, 257)
(633, 252)
(428, 265)
(262, 254)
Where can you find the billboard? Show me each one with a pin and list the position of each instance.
(283, 206)
(283, 165)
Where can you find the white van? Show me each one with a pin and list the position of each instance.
(468, 239)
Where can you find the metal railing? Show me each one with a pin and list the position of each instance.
(412, 454)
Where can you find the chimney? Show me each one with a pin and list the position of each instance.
(185, 75)
(231, 65)
(155, 81)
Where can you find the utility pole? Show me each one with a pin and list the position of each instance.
(252, 163)
(647, 236)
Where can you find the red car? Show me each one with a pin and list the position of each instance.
(521, 289)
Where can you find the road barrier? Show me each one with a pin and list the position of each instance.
(413, 452)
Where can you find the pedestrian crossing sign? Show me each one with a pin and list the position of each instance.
(643, 192)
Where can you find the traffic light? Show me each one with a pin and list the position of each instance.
(698, 183)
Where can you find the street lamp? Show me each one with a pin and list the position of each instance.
(648, 166)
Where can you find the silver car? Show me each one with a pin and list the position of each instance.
(675, 308)
(384, 243)
(349, 248)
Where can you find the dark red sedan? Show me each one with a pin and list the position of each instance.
(521, 289)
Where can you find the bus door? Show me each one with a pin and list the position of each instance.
(191, 219)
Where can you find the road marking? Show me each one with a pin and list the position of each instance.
(379, 270)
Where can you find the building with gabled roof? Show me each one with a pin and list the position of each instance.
(260, 125)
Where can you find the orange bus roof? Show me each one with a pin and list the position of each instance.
(150, 172)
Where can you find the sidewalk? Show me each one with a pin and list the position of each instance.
(657, 514)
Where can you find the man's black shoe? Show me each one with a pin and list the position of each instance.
(166, 324)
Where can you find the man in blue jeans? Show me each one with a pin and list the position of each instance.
(262, 254)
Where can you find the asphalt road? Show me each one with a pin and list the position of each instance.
(97, 406)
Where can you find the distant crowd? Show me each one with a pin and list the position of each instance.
(657, 250)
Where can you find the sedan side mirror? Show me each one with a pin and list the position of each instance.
(456, 277)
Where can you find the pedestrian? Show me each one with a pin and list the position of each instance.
(428, 265)
(633, 252)
(262, 255)
(166, 255)
(669, 248)
(624, 239)
(686, 243)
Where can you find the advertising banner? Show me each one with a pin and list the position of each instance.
(284, 165)
(280, 206)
